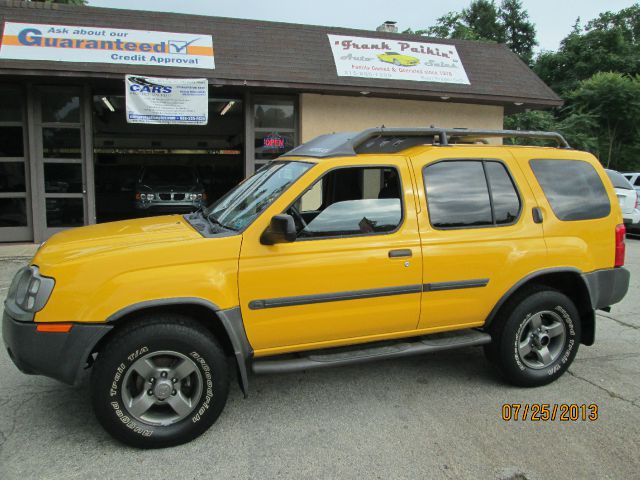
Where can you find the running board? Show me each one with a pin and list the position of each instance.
(334, 357)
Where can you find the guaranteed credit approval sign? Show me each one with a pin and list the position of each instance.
(66, 43)
(396, 60)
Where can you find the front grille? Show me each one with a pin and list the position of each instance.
(165, 196)
(178, 196)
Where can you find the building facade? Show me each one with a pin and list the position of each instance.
(70, 157)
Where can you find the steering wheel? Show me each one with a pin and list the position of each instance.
(297, 217)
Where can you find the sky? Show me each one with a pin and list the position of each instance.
(553, 18)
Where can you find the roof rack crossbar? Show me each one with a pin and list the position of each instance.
(347, 144)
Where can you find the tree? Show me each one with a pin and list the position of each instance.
(610, 43)
(62, 2)
(613, 99)
(482, 20)
(579, 129)
(519, 31)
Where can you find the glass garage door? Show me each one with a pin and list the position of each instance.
(60, 158)
(15, 204)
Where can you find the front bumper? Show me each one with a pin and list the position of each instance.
(166, 206)
(58, 355)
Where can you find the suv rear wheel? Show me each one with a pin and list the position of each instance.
(160, 381)
(535, 338)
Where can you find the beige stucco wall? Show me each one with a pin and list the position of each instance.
(322, 114)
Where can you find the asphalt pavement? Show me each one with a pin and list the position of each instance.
(434, 416)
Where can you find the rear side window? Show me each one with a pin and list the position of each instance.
(506, 204)
(470, 193)
(573, 188)
(618, 180)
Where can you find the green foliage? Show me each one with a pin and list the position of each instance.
(62, 2)
(596, 71)
(519, 33)
(483, 20)
(578, 128)
(613, 99)
(610, 43)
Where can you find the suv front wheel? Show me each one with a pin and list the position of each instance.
(160, 381)
(535, 338)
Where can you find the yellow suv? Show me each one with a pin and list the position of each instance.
(350, 248)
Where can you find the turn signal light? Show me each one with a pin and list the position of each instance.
(54, 327)
(621, 231)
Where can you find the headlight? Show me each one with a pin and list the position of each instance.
(29, 290)
(150, 196)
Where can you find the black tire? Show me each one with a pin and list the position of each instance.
(513, 327)
(139, 340)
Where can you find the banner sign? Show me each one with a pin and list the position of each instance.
(64, 43)
(396, 60)
(174, 101)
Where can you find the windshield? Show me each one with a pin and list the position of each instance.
(238, 208)
(618, 180)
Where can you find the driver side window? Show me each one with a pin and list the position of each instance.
(350, 201)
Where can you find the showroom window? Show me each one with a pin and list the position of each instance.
(13, 168)
(275, 125)
(145, 170)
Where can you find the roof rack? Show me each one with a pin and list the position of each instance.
(389, 140)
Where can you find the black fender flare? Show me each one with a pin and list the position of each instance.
(230, 319)
(588, 318)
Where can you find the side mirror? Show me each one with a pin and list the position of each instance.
(282, 229)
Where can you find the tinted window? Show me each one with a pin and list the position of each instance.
(11, 101)
(11, 144)
(12, 177)
(506, 204)
(457, 194)
(13, 212)
(350, 201)
(573, 189)
(618, 180)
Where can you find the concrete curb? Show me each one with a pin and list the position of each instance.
(18, 251)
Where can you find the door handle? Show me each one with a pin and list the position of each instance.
(537, 214)
(403, 252)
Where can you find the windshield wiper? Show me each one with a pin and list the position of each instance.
(214, 221)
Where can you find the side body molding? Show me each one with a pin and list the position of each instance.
(231, 320)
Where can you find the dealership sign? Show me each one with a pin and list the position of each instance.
(396, 60)
(64, 43)
(175, 101)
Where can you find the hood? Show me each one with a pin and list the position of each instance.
(173, 187)
(77, 243)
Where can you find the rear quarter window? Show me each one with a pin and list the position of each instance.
(573, 188)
